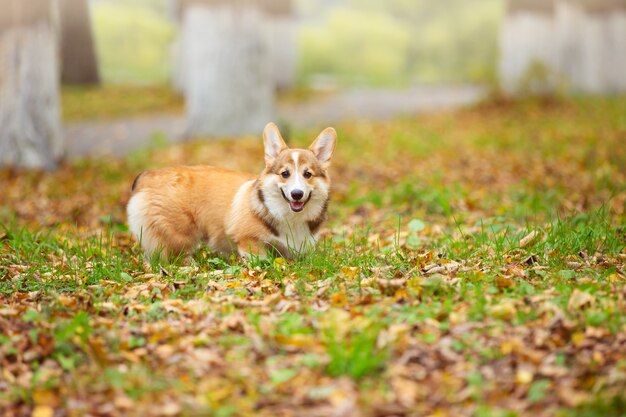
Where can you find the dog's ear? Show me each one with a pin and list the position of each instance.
(324, 145)
(273, 142)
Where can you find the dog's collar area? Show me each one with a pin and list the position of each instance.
(296, 206)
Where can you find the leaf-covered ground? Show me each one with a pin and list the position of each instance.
(474, 265)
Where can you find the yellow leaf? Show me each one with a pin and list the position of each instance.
(457, 317)
(338, 299)
(510, 345)
(296, 340)
(598, 357)
(46, 398)
(505, 310)
(279, 263)
(415, 285)
(400, 294)
(523, 376)
(43, 411)
(349, 271)
(578, 338)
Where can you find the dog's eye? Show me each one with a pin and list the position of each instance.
(285, 174)
(307, 175)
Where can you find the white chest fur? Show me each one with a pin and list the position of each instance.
(295, 236)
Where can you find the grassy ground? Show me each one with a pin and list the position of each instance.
(122, 101)
(112, 101)
(474, 264)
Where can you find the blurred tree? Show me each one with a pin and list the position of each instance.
(29, 82)
(556, 46)
(281, 28)
(225, 67)
(78, 56)
(397, 42)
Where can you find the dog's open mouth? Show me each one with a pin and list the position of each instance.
(296, 206)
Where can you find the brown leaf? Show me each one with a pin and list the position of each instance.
(124, 402)
(572, 397)
(391, 283)
(528, 239)
(504, 281)
(435, 270)
(164, 351)
(580, 299)
(69, 302)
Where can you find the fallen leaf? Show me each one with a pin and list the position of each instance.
(435, 270)
(280, 263)
(524, 376)
(392, 283)
(349, 271)
(528, 239)
(43, 411)
(578, 339)
(170, 409)
(580, 299)
(338, 299)
(505, 310)
(504, 281)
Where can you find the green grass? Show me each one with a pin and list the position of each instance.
(118, 101)
(425, 294)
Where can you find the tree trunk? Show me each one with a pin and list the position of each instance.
(79, 61)
(281, 27)
(280, 33)
(580, 44)
(226, 69)
(283, 50)
(29, 81)
(528, 51)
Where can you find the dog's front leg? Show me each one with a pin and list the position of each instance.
(249, 248)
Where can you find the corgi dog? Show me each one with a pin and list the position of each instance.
(172, 210)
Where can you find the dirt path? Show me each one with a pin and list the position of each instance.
(118, 137)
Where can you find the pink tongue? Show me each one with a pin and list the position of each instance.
(296, 205)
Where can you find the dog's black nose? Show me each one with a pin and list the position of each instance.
(297, 195)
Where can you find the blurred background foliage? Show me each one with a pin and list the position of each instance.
(347, 42)
(399, 42)
(133, 39)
